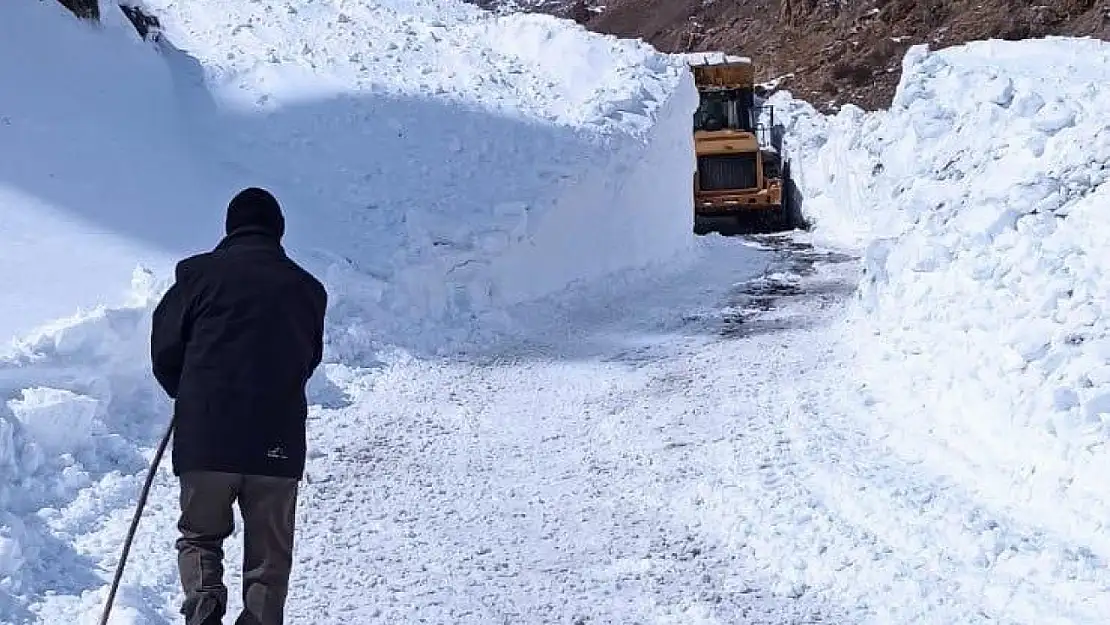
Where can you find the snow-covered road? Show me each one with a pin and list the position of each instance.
(564, 480)
(691, 449)
(669, 448)
(559, 475)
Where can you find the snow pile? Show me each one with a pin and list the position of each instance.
(444, 161)
(79, 409)
(980, 203)
(436, 163)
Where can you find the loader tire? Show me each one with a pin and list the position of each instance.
(791, 211)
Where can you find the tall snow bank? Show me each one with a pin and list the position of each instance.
(95, 181)
(442, 162)
(979, 202)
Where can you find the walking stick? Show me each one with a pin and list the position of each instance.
(135, 522)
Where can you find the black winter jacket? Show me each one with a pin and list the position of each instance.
(234, 342)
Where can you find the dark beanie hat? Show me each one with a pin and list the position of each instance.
(255, 208)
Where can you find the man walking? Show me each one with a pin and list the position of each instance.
(234, 342)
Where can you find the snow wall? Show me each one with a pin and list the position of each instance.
(442, 161)
(979, 206)
(436, 163)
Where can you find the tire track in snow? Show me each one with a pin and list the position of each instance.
(1009, 569)
(521, 503)
(797, 478)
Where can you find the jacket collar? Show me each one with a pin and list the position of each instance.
(250, 236)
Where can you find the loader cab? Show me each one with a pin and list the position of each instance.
(736, 178)
(725, 109)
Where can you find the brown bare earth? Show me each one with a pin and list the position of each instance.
(833, 52)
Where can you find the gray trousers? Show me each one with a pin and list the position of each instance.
(268, 507)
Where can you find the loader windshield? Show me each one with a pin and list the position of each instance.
(724, 110)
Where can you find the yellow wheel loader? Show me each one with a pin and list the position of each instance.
(741, 177)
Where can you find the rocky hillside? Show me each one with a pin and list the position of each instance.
(832, 51)
(829, 52)
(87, 9)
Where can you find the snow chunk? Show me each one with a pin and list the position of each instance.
(59, 421)
(11, 556)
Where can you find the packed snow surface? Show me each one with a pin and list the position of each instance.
(436, 164)
(572, 470)
(979, 203)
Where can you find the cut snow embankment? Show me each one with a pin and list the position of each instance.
(93, 183)
(436, 164)
(93, 179)
(454, 160)
(980, 203)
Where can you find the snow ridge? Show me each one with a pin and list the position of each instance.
(978, 200)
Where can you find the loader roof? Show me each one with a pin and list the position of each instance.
(722, 71)
(713, 58)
